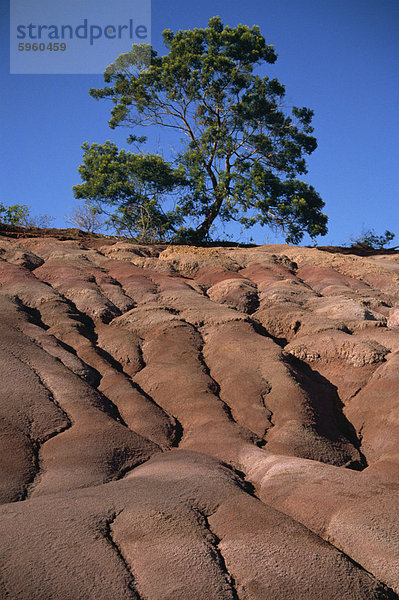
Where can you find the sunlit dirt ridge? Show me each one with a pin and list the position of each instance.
(182, 423)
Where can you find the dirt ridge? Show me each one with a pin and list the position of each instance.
(197, 423)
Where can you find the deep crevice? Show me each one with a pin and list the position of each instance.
(261, 330)
(51, 398)
(242, 481)
(215, 387)
(308, 378)
(384, 591)
(178, 429)
(125, 470)
(36, 472)
(107, 405)
(268, 389)
(178, 432)
(108, 536)
(113, 282)
(218, 557)
(37, 444)
(34, 315)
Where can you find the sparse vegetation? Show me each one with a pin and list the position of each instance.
(370, 241)
(87, 217)
(20, 215)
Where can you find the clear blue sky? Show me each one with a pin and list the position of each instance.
(338, 57)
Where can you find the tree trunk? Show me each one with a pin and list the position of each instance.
(203, 230)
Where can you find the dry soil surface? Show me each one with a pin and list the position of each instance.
(182, 423)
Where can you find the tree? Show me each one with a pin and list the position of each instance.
(126, 187)
(370, 241)
(20, 215)
(13, 215)
(87, 217)
(37, 221)
(242, 154)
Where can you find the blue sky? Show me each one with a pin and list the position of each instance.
(338, 57)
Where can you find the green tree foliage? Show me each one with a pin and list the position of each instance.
(242, 154)
(370, 241)
(14, 215)
(127, 187)
(20, 215)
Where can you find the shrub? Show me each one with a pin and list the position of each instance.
(370, 241)
(19, 214)
(87, 217)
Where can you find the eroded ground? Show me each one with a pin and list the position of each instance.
(197, 423)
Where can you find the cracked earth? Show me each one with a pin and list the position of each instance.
(181, 423)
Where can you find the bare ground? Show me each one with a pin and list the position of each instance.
(182, 423)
